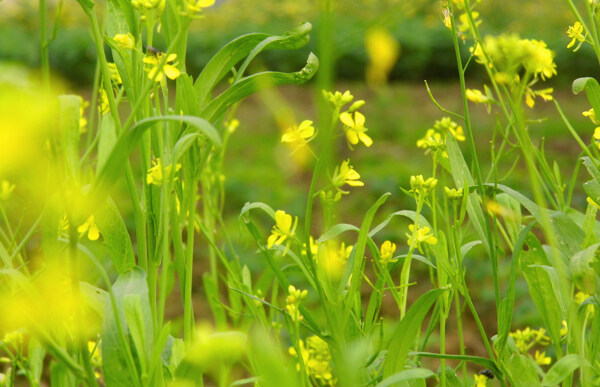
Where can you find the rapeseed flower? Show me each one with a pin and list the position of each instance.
(355, 129)
(480, 381)
(316, 358)
(284, 228)
(591, 114)
(420, 186)
(148, 5)
(419, 236)
(331, 256)
(346, 174)
(155, 173)
(196, 6)
(125, 41)
(169, 69)
(386, 252)
(383, 51)
(338, 99)
(476, 96)
(299, 135)
(541, 358)
(292, 302)
(93, 232)
(575, 32)
(103, 106)
(453, 193)
(432, 141)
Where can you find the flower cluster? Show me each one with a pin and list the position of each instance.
(157, 174)
(292, 302)
(435, 138)
(421, 187)
(316, 358)
(527, 338)
(386, 252)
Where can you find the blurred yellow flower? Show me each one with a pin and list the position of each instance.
(480, 381)
(90, 227)
(316, 357)
(292, 302)
(299, 135)
(195, 6)
(6, 190)
(476, 96)
(541, 358)
(355, 128)
(126, 41)
(157, 174)
(383, 51)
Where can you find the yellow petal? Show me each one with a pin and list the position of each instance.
(94, 233)
(359, 119)
(346, 119)
(365, 139)
(171, 71)
(352, 137)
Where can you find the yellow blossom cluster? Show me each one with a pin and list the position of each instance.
(316, 358)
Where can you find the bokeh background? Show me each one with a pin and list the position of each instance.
(398, 111)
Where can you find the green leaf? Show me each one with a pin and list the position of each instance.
(412, 215)
(505, 311)
(591, 88)
(118, 364)
(462, 177)
(186, 97)
(356, 260)
(245, 212)
(482, 361)
(405, 375)
(239, 48)
(257, 82)
(127, 142)
(581, 270)
(523, 371)
(406, 332)
(107, 138)
(542, 290)
(562, 369)
(336, 230)
(115, 236)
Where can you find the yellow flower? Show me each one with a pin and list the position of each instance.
(575, 32)
(283, 229)
(387, 252)
(114, 73)
(383, 51)
(420, 186)
(94, 350)
(345, 174)
(170, 70)
(591, 115)
(545, 94)
(453, 193)
(195, 6)
(476, 96)
(355, 128)
(419, 236)
(6, 190)
(232, 125)
(155, 173)
(446, 123)
(541, 358)
(93, 232)
(480, 381)
(432, 141)
(148, 5)
(338, 99)
(564, 330)
(299, 135)
(126, 41)
(103, 106)
(317, 360)
(580, 297)
(293, 300)
(82, 120)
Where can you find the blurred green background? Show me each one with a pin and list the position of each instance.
(260, 168)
